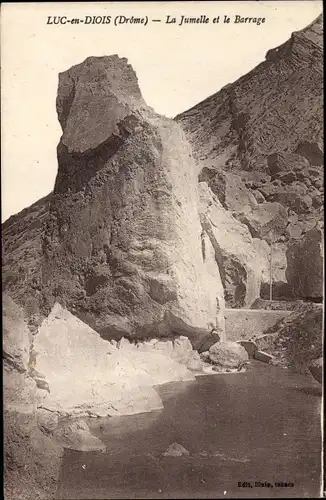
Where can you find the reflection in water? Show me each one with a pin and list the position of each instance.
(259, 426)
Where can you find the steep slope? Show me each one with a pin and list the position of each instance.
(262, 137)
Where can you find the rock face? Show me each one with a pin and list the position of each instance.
(31, 459)
(122, 238)
(88, 376)
(266, 141)
(305, 265)
(242, 263)
(77, 436)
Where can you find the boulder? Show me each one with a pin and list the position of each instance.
(184, 353)
(264, 218)
(232, 192)
(304, 270)
(16, 336)
(227, 355)
(210, 340)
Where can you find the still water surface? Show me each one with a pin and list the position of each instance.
(259, 426)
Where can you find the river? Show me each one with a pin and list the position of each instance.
(260, 426)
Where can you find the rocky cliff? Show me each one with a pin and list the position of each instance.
(259, 142)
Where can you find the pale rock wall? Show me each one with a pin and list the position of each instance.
(242, 263)
(122, 244)
(87, 375)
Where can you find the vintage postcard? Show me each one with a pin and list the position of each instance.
(163, 249)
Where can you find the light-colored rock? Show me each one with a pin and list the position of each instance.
(19, 389)
(123, 343)
(305, 265)
(84, 379)
(232, 192)
(241, 266)
(77, 436)
(264, 218)
(184, 353)
(16, 335)
(227, 355)
(316, 370)
(176, 450)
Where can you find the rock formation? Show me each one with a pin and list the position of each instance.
(260, 139)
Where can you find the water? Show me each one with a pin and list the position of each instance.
(259, 426)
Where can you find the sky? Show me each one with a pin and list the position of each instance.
(177, 67)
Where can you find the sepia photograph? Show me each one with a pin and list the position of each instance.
(162, 187)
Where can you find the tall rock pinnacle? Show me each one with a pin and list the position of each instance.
(122, 244)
